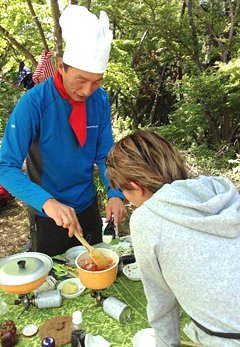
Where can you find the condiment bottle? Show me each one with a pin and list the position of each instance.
(78, 330)
(8, 334)
(48, 342)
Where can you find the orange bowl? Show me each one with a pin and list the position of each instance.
(23, 288)
(97, 280)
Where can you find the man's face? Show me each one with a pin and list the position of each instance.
(79, 84)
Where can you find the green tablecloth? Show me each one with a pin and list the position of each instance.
(97, 322)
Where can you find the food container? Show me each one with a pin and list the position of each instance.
(97, 280)
(144, 337)
(80, 289)
(23, 272)
(72, 253)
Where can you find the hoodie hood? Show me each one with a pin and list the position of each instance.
(207, 204)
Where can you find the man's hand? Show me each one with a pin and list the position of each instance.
(116, 208)
(63, 215)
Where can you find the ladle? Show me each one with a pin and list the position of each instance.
(98, 258)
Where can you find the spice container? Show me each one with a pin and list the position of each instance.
(48, 342)
(8, 334)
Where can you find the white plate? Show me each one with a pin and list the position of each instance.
(122, 248)
(72, 253)
(81, 287)
(143, 338)
(30, 330)
(131, 271)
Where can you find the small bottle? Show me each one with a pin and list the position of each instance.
(8, 334)
(48, 342)
(78, 330)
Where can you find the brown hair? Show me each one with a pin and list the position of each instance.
(145, 158)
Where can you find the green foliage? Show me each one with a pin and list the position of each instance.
(218, 89)
(165, 66)
(9, 97)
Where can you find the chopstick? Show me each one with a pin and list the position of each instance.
(69, 272)
(188, 343)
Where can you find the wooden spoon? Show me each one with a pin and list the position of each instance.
(97, 256)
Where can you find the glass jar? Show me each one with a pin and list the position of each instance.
(8, 334)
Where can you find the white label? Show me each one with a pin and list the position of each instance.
(50, 298)
(113, 307)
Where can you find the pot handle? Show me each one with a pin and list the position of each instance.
(21, 264)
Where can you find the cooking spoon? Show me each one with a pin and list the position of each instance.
(97, 256)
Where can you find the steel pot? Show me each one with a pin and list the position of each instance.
(24, 272)
(97, 280)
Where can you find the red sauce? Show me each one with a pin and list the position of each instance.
(89, 265)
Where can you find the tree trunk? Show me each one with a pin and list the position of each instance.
(157, 94)
(58, 49)
(88, 4)
(194, 36)
(213, 126)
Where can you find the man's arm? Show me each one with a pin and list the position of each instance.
(115, 207)
(63, 216)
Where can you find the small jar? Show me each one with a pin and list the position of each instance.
(48, 342)
(8, 334)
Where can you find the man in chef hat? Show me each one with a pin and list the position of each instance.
(63, 127)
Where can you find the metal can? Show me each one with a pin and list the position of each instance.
(48, 342)
(49, 298)
(116, 309)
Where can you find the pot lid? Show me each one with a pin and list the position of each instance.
(24, 268)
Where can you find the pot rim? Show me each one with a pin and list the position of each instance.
(97, 272)
(37, 266)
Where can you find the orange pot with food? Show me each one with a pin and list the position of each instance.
(24, 272)
(89, 274)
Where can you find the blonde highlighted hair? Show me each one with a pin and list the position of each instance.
(145, 158)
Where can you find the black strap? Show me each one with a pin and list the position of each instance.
(235, 336)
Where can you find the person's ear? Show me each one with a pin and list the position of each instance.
(137, 187)
(60, 65)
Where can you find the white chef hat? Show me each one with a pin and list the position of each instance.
(88, 39)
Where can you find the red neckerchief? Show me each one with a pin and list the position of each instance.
(78, 118)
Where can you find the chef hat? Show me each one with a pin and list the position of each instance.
(88, 39)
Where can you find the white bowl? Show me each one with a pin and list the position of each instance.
(131, 271)
(145, 337)
(81, 287)
(72, 253)
(30, 330)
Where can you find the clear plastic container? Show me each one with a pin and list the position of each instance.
(78, 330)
(8, 334)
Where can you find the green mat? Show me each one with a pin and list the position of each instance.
(97, 322)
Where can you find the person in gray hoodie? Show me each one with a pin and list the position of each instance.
(185, 234)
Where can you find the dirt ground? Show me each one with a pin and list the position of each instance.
(14, 227)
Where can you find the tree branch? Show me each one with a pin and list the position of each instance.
(38, 25)
(58, 49)
(12, 83)
(18, 45)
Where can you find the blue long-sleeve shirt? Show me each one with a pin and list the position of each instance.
(57, 167)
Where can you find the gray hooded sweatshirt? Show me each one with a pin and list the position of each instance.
(186, 240)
